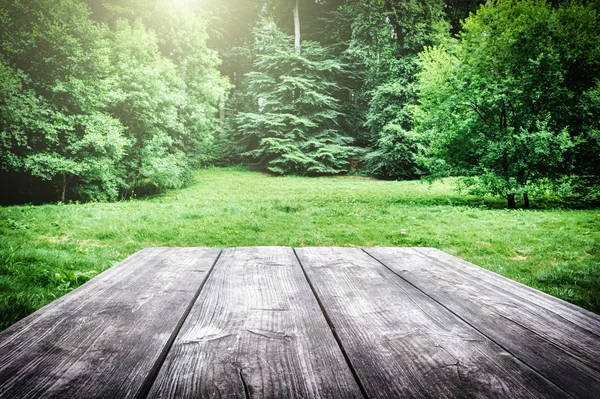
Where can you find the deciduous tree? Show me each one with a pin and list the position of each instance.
(493, 105)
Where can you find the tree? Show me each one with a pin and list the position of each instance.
(104, 113)
(297, 37)
(53, 68)
(229, 27)
(291, 126)
(576, 33)
(167, 92)
(492, 104)
(111, 11)
(148, 93)
(182, 38)
(386, 38)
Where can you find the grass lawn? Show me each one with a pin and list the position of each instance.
(46, 251)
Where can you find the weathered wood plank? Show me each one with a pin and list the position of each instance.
(108, 337)
(576, 315)
(256, 331)
(524, 322)
(402, 343)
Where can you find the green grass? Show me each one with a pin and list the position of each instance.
(46, 251)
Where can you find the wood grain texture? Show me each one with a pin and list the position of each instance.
(520, 292)
(402, 343)
(256, 331)
(107, 337)
(558, 340)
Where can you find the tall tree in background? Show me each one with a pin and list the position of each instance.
(576, 34)
(183, 39)
(331, 28)
(291, 124)
(229, 27)
(502, 105)
(170, 91)
(230, 24)
(111, 11)
(148, 94)
(54, 69)
(297, 37)
(387, 36)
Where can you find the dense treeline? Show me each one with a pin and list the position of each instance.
(107, 99)
(103, 105)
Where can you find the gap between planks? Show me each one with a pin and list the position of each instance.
(151, 377)
(332, 328)
(233, 345)
(324, 303)
(421, 362)
(466, 322)
(519, 332)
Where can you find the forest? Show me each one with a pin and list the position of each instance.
(109, 100)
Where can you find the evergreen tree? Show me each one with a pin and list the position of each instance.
(292, 125)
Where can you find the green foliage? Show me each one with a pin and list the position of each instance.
(148, 93)
(292, 122)
(55, 62)
(576, 33)
(390, 119)
(111, 99)
(492, 105)
(386, 37)
(102, 114)
(167, 93)
(182, 37)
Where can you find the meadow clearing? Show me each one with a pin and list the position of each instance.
(48, 250)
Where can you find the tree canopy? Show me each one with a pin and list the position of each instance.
(105, 112)
(112, 99)
(502, 105)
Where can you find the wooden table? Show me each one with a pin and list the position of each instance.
(278, 322)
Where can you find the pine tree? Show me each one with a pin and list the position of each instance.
(292, 126)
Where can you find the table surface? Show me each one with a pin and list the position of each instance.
(278, 322)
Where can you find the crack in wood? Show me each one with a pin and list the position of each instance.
(270, 334)
(206, 338)
(245, 385)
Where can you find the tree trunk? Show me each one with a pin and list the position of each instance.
(297, 39)
(522, 180)
(297, 27)
(222, 119)
(511, 201)
(63, 193)
(396, 26)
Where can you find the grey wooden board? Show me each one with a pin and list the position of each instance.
(256, 331)
(402, 343)
(564, 310)
(563, 347)
(108, 337)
